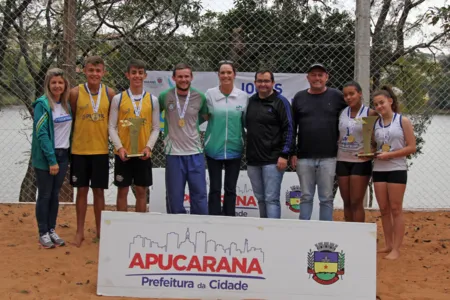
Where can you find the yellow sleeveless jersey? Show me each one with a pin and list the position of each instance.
(90, 135)
(126, 112)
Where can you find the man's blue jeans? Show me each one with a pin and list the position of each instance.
(266, 184)
(320, 172)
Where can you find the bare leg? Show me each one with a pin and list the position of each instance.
(122, 194)
(141, 203)
(358, 188)
(81, 207)
(344, 189)
(396, 192)
(99, 206)
(381, 193)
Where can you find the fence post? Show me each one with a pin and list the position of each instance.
(69, 45)
(69, 65)
(362, 52)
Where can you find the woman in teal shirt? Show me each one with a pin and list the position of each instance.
(224, 140)
(52, 129)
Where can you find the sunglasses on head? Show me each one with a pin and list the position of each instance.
(222, 62)
(58, 73)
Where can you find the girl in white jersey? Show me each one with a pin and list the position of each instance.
(353, 173)
(395, 140)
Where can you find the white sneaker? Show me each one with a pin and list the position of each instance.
(46, 241)
(56, 239)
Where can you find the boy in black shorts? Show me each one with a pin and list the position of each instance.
(90, 158)
(133, 110)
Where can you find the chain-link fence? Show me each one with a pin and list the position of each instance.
(284, 36)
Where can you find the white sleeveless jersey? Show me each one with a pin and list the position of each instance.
(393, 135)
(348, 126)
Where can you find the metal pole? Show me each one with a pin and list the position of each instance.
(69, 64)
(362, 52)
(69, 45)
(362, 47)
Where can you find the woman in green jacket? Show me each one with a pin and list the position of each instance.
(50, 149)
(224, 139)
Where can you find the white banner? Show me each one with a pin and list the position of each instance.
(288, 84)
(246, 203)
(211, 257)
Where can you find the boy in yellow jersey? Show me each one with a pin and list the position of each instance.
(133, 103)
(90, 160)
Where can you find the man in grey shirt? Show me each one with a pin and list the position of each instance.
(185, 161)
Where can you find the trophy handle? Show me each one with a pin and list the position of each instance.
(135, 129)
(367, 131)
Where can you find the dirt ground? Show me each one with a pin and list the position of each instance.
(29, 272)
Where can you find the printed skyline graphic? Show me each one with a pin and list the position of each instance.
(247, 188)
(198, 244)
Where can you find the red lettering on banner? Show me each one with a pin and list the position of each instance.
(136, 261)
(175, 262)
(168, 266)
(150, 259)
(254, 267)
(223, 265)
(240, 200)
(244, 201)
(194, 263)
(209, 262)
(241, 265)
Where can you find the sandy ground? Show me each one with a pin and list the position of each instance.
(29, 272)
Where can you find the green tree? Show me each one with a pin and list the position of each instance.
(393, 26)
(439, 91)
(405, 67)
(32, 33)
(413, 75)
(255, 35)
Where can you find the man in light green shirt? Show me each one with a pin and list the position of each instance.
(185, 162)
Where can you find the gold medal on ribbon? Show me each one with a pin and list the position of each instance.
(95, 117)
(350, 138)
(181, 122)
(385, 148)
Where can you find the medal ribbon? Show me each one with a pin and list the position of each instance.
(182, 113)
(95, 106)
(137, 110)
(351, 122)
(387, 137)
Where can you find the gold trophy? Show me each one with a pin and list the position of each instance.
(367, 126)
(135, 128)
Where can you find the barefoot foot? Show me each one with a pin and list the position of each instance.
(79, 238)
(393, 255)
(385, 250)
